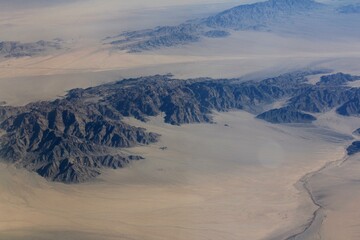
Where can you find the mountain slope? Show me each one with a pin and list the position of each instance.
(257, 16)
(350, 108)
(286, 115)
(67, 141)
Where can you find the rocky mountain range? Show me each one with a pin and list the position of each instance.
(67, 140)
(18, 49)
(261, 16)
(72, 139)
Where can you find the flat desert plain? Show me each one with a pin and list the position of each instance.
(211, 182)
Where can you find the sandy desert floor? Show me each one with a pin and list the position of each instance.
(212, 182)
(335, 189)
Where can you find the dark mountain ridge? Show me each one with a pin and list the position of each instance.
(286, 115)
(72, 139)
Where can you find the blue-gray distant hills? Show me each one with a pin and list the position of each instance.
(350, 9)
(72, 139)
(10, 49)
(258, 17)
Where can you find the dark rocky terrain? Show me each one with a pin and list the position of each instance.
(322, 99)
(354, 148)
(72, 139)
(259, 16)
(286, 115)
(350, 108)
(337, 79)
(17, 49)
(66, 140)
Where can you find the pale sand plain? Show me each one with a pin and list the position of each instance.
(335, 189)
(212, 182)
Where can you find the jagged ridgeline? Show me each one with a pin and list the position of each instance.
(72, 139)
(261, 16)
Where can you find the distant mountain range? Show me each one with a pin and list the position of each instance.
(270, 15)
(17, 49)
(350, 9)
(260, 16)
(72, 139)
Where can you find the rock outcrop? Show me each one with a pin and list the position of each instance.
(354, 148)
(286, 115)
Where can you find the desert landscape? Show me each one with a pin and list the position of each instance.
(167, 120)
(194, 188)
